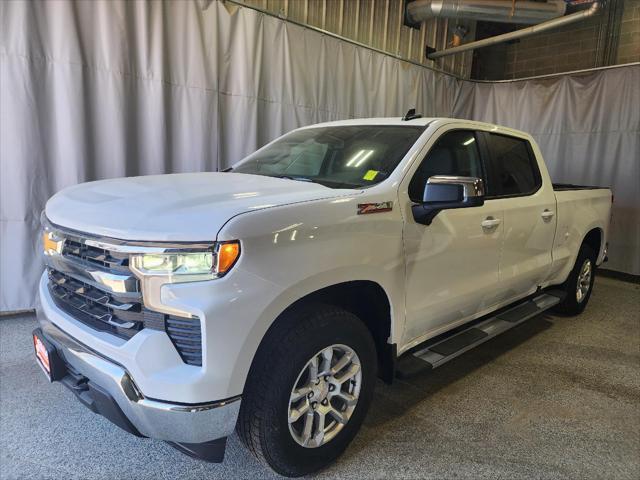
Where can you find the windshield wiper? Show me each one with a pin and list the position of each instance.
(323, 182)
(300, 179)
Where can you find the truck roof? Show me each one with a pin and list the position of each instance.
(417, 122)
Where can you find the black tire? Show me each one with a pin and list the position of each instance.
(293, 340)
(571, 305)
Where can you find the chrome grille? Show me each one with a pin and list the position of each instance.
(90, 280)
(123, 317)
(99, 309)
(115, 261)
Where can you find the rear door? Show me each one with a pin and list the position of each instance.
(529, 207)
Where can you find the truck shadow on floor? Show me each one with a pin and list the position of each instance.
(404, 395)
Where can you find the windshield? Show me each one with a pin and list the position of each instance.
(337, 157)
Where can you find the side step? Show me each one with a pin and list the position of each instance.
(454, 345)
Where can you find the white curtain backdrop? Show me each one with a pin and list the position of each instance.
(588, 128)
(92, 90)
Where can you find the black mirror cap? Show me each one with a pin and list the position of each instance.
(424, 213)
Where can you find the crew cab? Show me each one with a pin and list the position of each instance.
(267, 298)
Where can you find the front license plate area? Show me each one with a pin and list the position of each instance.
(47, 357)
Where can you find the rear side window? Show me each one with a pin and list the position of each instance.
(455, 153)
(514, 169)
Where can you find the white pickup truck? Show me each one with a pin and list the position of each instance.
(269, 297)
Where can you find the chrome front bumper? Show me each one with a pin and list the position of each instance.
(173, 422)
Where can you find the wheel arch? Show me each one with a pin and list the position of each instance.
(594, 238)
(368, 301)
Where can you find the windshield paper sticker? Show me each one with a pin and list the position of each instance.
(370, 175)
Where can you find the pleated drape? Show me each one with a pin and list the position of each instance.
(102, 89)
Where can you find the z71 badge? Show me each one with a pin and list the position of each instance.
(381, 207)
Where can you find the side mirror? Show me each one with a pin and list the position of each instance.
(444, 192)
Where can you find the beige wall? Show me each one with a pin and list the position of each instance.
(629, 42)
(571, 48)
(574, 47)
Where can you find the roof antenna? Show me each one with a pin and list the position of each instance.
(411, 114)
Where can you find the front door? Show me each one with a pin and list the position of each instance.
(452, 264)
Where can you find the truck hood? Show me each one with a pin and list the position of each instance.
(177, 207)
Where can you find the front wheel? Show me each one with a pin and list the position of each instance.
(579, 284)
(309, 389)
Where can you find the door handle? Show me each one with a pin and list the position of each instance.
(547, 214)
(490, 222)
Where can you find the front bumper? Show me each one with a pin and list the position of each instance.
(184, 424)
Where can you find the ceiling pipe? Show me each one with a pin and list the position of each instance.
(525, 32)
(488, 10)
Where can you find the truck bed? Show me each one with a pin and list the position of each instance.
(578, 209)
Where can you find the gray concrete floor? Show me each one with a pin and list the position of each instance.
(554, 398)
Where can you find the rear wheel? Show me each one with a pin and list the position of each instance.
(308, 390)
(579, 284)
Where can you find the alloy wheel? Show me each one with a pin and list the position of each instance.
(324, 396)
(584, 281)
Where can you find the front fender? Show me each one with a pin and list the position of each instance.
(291, 251)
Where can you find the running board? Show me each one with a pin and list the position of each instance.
(452, 346)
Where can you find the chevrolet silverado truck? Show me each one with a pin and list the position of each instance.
(268, 298)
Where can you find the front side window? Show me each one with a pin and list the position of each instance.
(455, 153)
(514, 169)
(337, 157)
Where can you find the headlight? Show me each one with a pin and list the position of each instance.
(188, 266)
(175, 263)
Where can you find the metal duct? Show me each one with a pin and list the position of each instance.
(490, 10)
(525, 32)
